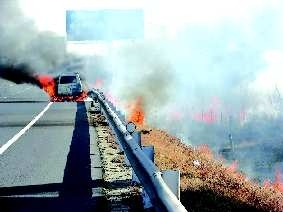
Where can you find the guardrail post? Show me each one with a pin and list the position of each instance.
(172, 179)
(149, 151)
(137, 137)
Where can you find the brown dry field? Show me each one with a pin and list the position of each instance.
(206, 183)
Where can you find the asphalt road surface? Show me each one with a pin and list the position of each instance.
(45, 160)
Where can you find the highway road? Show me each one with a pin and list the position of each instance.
(45, 158)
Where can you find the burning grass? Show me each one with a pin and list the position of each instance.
(136, 112)
(206, 184)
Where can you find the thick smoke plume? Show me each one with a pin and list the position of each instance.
(208, 80)
(22, 43)
(18, 73)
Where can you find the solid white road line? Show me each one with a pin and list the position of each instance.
(19, 134)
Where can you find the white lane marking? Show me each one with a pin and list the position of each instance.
(19, 134)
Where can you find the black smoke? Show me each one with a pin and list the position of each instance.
(19, 73)
(26, 47)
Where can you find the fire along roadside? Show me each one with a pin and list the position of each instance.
(160, 194)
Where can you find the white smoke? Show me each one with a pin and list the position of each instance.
(194, 52)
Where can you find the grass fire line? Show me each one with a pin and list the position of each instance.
(137, 114)
(202, 173)
(214, 185)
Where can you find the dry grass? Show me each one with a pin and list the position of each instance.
(202, 174)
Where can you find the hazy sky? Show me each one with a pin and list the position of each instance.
(242, 25)
(193, 51)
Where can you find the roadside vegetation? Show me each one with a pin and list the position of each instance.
(206, 183)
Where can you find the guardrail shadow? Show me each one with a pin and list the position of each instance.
(74, 193)
(77, 174)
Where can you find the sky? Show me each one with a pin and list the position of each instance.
(258, 23)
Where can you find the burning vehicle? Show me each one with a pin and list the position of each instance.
(69, 84)
(68, 87)
(65, 87)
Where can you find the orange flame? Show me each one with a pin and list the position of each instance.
(278, 184)
(267, 184)
(232, 170)
(233, 167)
(48, 84)
(205, 150)
(137, 114)
(81, 97)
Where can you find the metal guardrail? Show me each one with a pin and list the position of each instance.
(150, 177)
